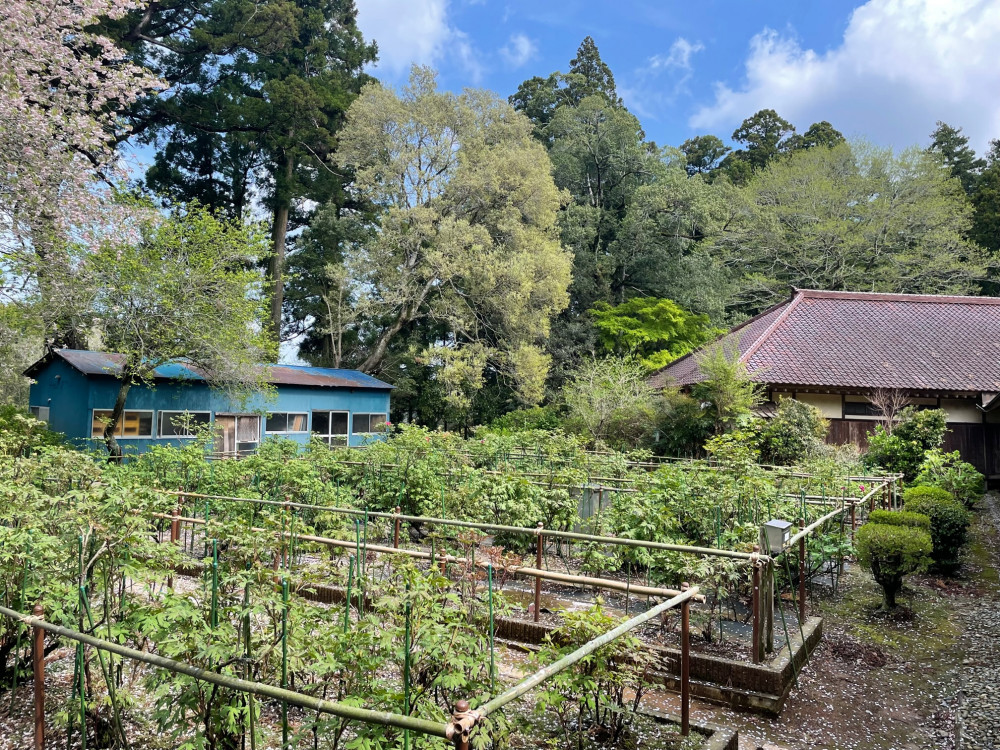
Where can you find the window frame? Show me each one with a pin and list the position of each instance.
(327, 436)
(286, 431)
(121, 424)
(159, 422)
(369, 431)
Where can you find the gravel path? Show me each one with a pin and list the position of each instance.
(978, 721)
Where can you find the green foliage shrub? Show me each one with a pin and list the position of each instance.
(610, 402)
(949, 523)
(900, 518)
(890, 553)
(21, 433)
(795, 432)
(683, 427)
(727, 386)
(904, 449)
(948, 471)
(535, 418)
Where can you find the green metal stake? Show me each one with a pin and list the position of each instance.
(83, 696)
(214, 617)
(284, 661)
(247, 650)
(347, 607)
(489, 580)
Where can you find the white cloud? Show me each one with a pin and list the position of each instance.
(518, 50)
(407, 31)
(678, 57)
(415, 31)
(646, 92)
(901, 66)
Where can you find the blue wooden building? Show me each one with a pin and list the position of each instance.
(74, 391)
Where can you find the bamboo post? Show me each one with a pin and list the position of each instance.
(395, 528)
(802, 574)
(539, 544)
(38, 668)
(685, 664)
(758, 643)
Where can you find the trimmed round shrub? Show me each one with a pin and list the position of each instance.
(949, 523)
(900, 518)
(890, 553)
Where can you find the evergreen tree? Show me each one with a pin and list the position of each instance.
(257, 94)
(958, 155)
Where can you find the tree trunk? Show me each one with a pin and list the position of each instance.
(114, 450)
(279, 231)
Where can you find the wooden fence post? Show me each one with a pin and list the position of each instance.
(685, 664)
(758, 641)
(38, 667)
(539, 544)
(802, 574)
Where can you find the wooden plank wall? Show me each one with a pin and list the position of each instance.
(974, 442)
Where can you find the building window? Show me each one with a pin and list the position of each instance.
(330, 427)
(861, 409)
(365, 424)
(180, 423)
(237, 434)
(133, 424)
(284, 422)
(39, 412)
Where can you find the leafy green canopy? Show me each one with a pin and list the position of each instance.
(463, 242)
(185, 290)
(904, 449)
(657, 331)
(850, 217)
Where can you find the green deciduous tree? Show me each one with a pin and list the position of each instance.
(609, 401)
(852, 217)
(463, 234)
(184, 291)
(656, 331)
(726, 386)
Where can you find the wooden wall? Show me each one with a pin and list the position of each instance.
(974, 442)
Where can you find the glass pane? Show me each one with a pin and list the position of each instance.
(101, 417)
(375, 422)
(277, 422)
(321, 422)
(248, 429)
(144, 420)
(180, 423)
(336, 440)
(338, 423)
(297, 422)
(360, 423)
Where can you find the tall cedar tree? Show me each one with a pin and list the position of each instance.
(257, 94)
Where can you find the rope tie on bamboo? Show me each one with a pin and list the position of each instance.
(757, 560)
(539, 529)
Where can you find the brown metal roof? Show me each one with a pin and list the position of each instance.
(867, 340)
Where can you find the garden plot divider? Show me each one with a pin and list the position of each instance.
(762, 569)
(458, 730)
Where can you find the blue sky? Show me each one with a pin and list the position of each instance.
(884, 70)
